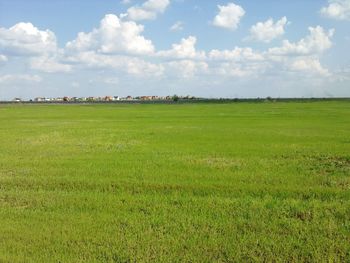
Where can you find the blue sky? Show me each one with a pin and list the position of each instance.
(213, 48)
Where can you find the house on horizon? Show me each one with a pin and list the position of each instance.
(39, 99)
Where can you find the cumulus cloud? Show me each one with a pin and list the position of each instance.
(117, 45)
(238, 62)
(229, 16)
(11, 78)
(113, 36)
(232, 69)
(308, 64)
(302, 57)
(268, 30)
(40, 46)
(184, 50)
(317, 41)
(178, 26)
(148, 10)
(24, 39)
(187, 68)
(126, 64)
(184, 60)
(49, 65)
(337, 9)
(237, 54)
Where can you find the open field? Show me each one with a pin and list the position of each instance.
(235, 182)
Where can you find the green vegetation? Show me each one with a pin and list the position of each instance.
(235, 182)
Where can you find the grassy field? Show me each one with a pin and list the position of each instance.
(237, 182)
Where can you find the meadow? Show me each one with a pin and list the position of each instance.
(234, 182)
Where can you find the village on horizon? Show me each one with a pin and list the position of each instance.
(161, 99)
(105, 98)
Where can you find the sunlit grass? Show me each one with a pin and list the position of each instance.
(169, 183)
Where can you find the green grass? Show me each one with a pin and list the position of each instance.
(237, 182)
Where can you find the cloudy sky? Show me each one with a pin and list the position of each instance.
(239, 48)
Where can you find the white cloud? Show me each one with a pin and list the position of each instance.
(239, 62)
(11, 78)
(229, 16)
(49, 65)
(308, 64)
(178, 26)
(317, 41)
(300, 58)
(126, 64)
(268, 30)
(231, 69)
(237, 54)
(183, 59)
(187, 68)
(113, 36)
(337, 9)
(24, 39)
(143, 68)
(117, 47)
(148, 11)
(184, 50)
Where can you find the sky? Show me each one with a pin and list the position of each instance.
(204, 48)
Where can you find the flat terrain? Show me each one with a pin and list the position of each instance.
(235, 182)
